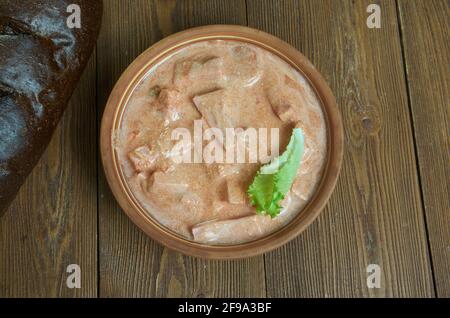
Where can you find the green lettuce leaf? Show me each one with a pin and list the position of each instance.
(273, 180)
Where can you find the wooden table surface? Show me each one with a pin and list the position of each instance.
(390, 207)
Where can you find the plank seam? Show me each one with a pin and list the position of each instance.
(416, 155)
(264, 255)
(246, 12)
(97, 169)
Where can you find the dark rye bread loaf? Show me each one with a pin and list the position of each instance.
(41, 60)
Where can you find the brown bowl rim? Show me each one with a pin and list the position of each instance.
(133, 74)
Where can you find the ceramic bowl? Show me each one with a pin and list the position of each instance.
(130, 79)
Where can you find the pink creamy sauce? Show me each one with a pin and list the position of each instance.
(224, 84)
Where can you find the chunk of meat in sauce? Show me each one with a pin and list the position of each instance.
(207, 68)
(245, 70)
(203, 68)
(216, 109)
(166, 182)
(143, 159)
(235, 191)
(224, 210)
(283, 96)
(284, 111)
(230, 231)
(181, 71)
(310, 165)
(283, 105)
(169, 101)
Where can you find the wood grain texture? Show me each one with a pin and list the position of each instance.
(53, 221)
(375, 214)
(425, 27)
(131, 264)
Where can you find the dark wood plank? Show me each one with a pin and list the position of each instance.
(131, 264)
(375, 214)
(427, 54)
(53, 221)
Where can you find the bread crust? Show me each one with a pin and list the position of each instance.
(41, 60)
